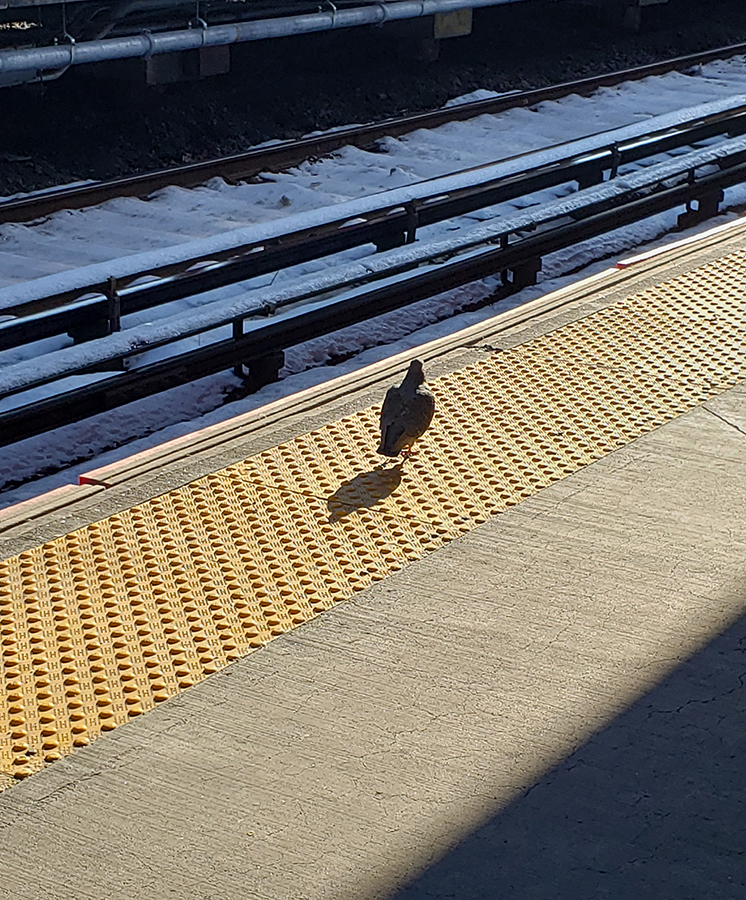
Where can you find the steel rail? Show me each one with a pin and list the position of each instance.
(387, 227)
(290, 153)
(266, 340)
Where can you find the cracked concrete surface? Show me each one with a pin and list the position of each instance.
(548, 707)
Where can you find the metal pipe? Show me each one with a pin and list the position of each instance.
(40, 59)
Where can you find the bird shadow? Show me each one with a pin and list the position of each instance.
(363, 491)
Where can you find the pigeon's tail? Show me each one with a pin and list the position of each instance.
(386, 451)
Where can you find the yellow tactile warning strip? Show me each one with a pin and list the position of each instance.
(102, 624)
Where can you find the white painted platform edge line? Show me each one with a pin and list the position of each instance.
(32, 501)
(34, 507)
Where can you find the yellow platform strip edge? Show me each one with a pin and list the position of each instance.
(102, 624)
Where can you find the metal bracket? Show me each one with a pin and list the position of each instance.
(524, 274)
(385, 10)
(114, 306)
(203, 25)
(264, 370)
(701, 207)
(412, 221)
(148, 35)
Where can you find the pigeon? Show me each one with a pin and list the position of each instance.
(406, 413)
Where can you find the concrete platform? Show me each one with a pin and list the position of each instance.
(549, 706)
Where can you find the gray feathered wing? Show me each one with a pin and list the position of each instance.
(405, 416)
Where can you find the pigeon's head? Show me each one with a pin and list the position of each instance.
(415, 373)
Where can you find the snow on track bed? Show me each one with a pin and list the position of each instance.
(176, 215)
(128, 226)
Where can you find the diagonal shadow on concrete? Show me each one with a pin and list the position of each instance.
(653, 806)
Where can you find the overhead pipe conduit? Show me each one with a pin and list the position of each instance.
(144, 45)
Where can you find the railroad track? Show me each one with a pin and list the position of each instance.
(251, 334)
(513, 246)
(286, 154)
(387, 220)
